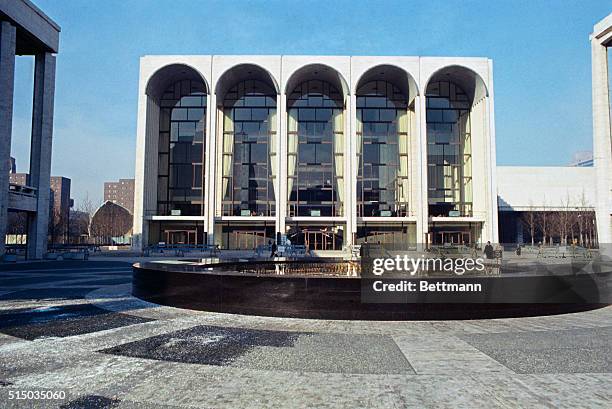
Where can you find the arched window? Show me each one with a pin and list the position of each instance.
(182, 127)
(315, 150)
(449, 150)
(382, 150)
(249, 149)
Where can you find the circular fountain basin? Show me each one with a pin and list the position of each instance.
(332, 289)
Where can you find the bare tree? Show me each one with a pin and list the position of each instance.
(57, 226)
(110, 220)
(553, 220)
(17, 224)
(530, 222)
(87, 207)
(564, 219)
(543, 222)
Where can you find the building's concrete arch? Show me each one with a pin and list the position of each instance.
(317, 71)
(241, 72)
(162, 77)
(470, 81)
(392, 73)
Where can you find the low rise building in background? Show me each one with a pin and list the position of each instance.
(121, 193)
(60, 204)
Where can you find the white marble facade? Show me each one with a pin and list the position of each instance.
(411, 75)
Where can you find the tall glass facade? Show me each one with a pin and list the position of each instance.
(382, 150)
(249, 150)
(449, 150)
(182, 127)
(315, 150)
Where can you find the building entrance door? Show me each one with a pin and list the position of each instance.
(320, 240)
(248, 240)
(181, 237)
(453, 237)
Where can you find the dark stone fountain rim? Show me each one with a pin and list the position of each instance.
(197, 285)
(200, 266)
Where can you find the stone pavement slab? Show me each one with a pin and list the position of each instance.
(54, 322)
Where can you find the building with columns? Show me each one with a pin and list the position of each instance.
(328, 150)
(26, 30)
(601, 40)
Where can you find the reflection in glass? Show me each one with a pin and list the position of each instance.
(249, 150)
(449, 150)
(315, 157)
(382, 150)
(182, 125)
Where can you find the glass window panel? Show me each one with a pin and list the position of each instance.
(178, 153)
(197, 175)
(191, 101)
(164, 142)
(259, 153)
(259, 114)
(434, 115)
(387, 115)
(447, 165)
(185, 101)
(186, 131)
(196, 152)
(162, 165)
(195, 114)
(323, 114)
(315, 101)
(450, 115)
(250, 151)
(242, 114)
(164, 120)
(182, 176)
(307, 153)
(174, 131)
(324, 153)
(370, 115)
(376, 102)
(371, 153)
(179, 114)
(306, 114)
(255, 100)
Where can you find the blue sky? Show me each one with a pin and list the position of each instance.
(540, 52)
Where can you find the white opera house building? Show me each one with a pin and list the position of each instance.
(328, 151)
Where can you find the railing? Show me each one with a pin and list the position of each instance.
(23, 190)
(559, 251)
(179, 250)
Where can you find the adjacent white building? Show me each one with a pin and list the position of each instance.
(601, 40)
(327, 150)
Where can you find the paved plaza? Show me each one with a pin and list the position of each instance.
(73, 326)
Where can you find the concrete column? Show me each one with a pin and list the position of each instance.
(216, 169)
(492, 182)
(419, 181)
(139, 225)
(350, 170)
(282, 169)
(422, 225)
(215, 137)
(7, 77)
(602, 148)
(278, 220)
(40, 152)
